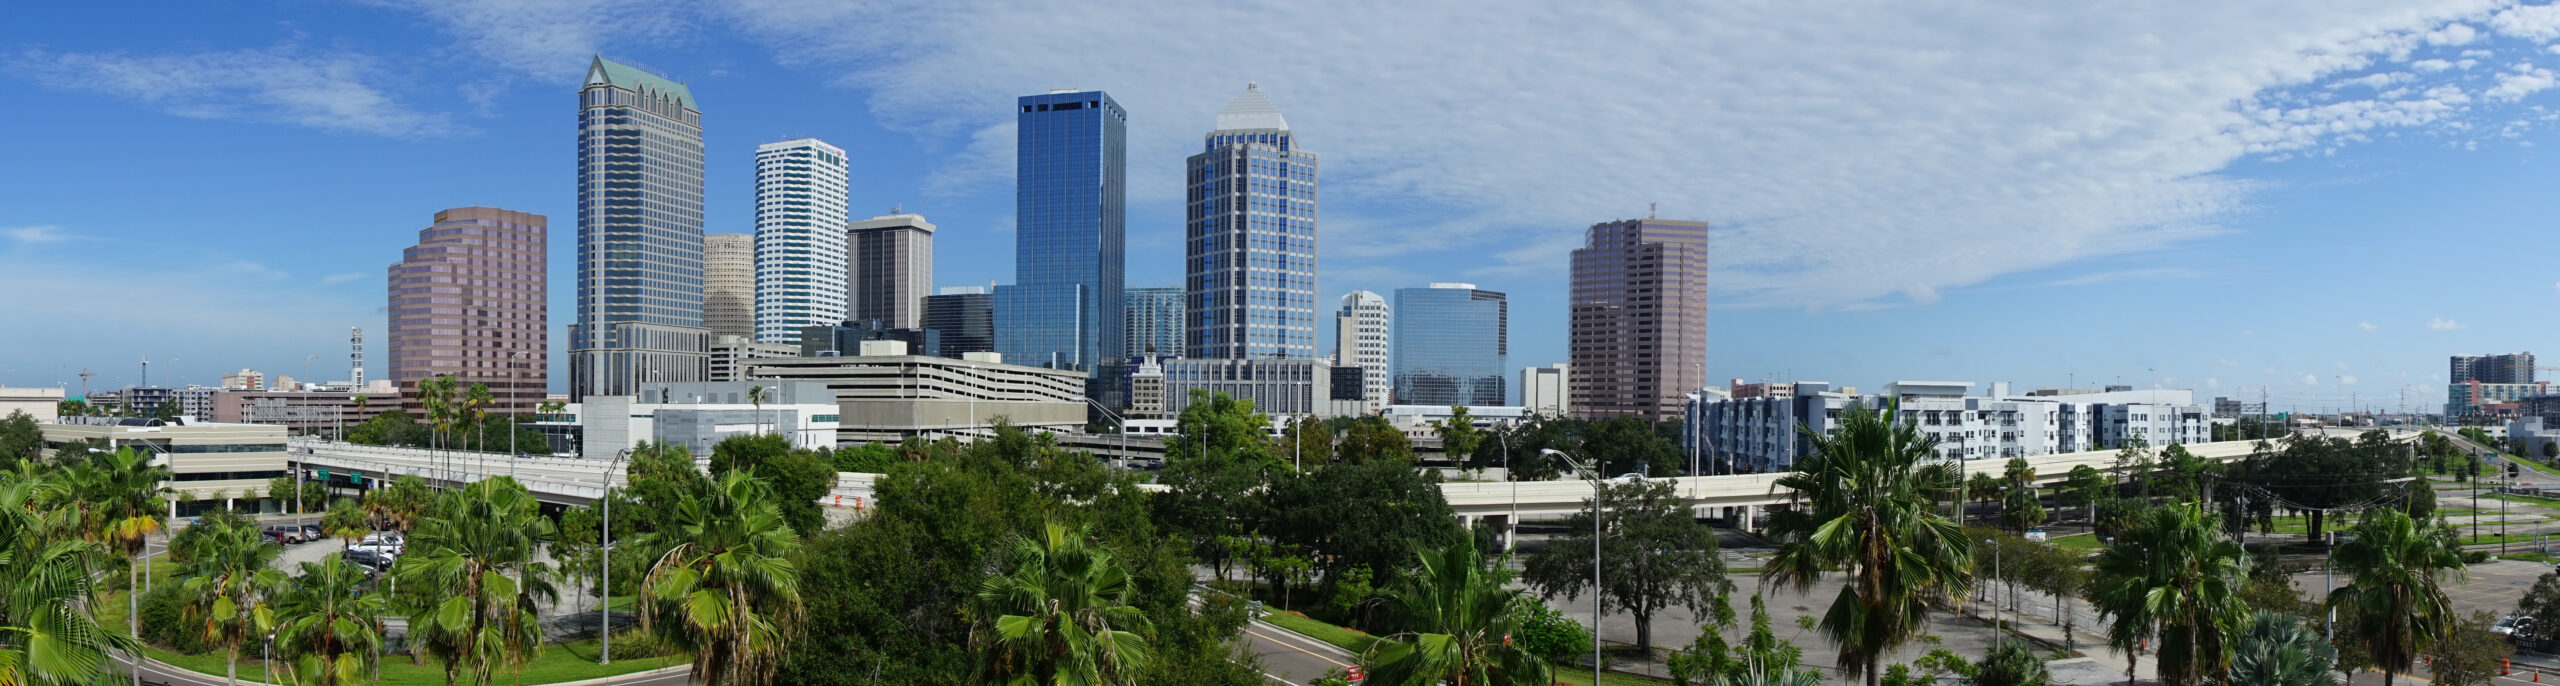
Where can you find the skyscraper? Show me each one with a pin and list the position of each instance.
(1070, 211)
(2510, 368)
(468, 301)
(965, 316)
(1452, 345)
(1360, 340)
(800, 265)
(1155, 322)
(891, 258)
(729, 284)
(1638, 323)
(639, 234)
(1252, 237)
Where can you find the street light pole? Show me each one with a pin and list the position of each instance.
(604, 549)
(1589, 473)
(1511, 533)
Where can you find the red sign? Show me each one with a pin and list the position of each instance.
(1356, 676)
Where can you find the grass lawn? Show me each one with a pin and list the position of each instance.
(2078, 542)
(558, 663)
(2477, 539)
(2521, 498)
(1346, 639)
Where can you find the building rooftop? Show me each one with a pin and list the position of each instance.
(1251, 111)
(619, 75)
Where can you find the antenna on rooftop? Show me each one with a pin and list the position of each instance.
(1650, 209)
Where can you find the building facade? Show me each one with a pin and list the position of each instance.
(1360, 339)
(729, 284)
(470, 301)
(800, 267)
(1277, 386)
(1452, 346)
(1542, 389)
(2514, 368)
(325, 413)
(245, 380)
(730, 353)
(2470, 398)
(965, 316)
(1637, 338)
(1766, 433)
(639, 234)
(1070, 213)
(846, 340)
(214, 463)
(42, 404)
(891, 258)
(1154, 322)
(1251, 267)
(894, 396)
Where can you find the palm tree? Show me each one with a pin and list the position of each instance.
(726, 590)
(122, 495)
(1457, 620)
(345, 521)
(2173, 579)
(1866, 512)
(361, 402)
(46, 634)
(332, 631)
(2280, 650)
(476, 554)
(2396, 604)
(436, 393)
(476, 404)
(1060, 614)
(755, 394)
(226, 576)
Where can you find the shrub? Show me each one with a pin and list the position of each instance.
(164, 621)
(634, 643)
(1549, 634)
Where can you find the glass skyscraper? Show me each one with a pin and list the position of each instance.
(1063, 310)
(1155, 322)
(1638, 332)
(1252, 238)
(800, 256)
(1452, 345)
(639, 234)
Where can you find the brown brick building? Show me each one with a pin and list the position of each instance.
(467, 300)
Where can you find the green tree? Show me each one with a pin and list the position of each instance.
(2325, 473)
(1059, 613)
(330, 631)
(574, 548)
(47, 636)
(475, 406)
(226, 573)
(727, 590)
(74, 407)
(167, 410)
(2011, 663)
(2395, 606)
(2280, 650)
(1208, 502)
(1459, 436)
(1305, 441)
(402, 504)
(755, 395)
(1361, 515)
(1455, 622)
(435, 393)
(1761, 657)
(1547, 633)
(346, 521)
(2471, 655)
(1863, 512)
(1372, 438)
(2020, 506)
(1653, 555)
(123, 498)
(869, 458)
(20, 440)
(657, 477)
(473, 558)
(1625, 444)
(799, 477)
(1982, 487)
(2173, 580)
(2542, 602)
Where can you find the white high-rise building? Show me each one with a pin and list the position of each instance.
(1360, 339)
(800, 241)
(1251, 274)
(1542, 389)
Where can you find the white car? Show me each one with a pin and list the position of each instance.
(2511, 625)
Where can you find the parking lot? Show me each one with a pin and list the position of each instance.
(2494, 586)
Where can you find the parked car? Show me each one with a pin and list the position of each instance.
(2511, 625)
(286, 534)
(369, 558)
(2036, 535)
(313, 532)
(1629, 478)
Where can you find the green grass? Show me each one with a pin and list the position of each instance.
(2528, 557)
(1581, 676)
(1346, 639)
(2477, 539)
(2078, 542)
(2521, 498)
(560, 662)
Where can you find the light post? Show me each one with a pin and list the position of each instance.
(1115, 416)
(1511, 533)
(604, 549)
(1590, 472)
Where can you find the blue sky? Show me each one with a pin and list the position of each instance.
(2316, 201)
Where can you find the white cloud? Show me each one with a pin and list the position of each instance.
(2311, 379)
(2147, 274)
(2524, 80)
(2442, 324)
(2534, 22)
(1846, 157)
(40, 233)
(2347, 380)
(2368, 327)
(328, 91)
(2212, 382)
(335, 279)
(2225, 362)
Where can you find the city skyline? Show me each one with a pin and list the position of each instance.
(2209, 206)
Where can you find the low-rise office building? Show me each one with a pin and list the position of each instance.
(214, 464)
(693, 414)
(729, 353)
(2473, 400)
(1277, 386)
(42, 404)
(307, 413)
(886, 394)
(1765, 432)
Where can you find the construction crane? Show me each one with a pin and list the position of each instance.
(84, 383)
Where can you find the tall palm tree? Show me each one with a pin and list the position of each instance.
(332, 629)
(1866, 513)
(2174, 579)
(1457, 620)
(2396, 604)
(476, 404)
(476, 554)
(755, 394)
(1060, 614)
(436, 393)
(46, 634)
(726, 590)
(345, 521)
(126, 506)
(226, 578)
(2280, 650)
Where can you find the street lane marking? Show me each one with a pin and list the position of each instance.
(1293, 646)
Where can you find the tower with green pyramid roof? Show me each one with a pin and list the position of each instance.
(639, 279)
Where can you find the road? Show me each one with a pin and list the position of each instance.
(155, 673)
(1290, 658)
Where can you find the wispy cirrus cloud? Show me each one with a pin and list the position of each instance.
(2443, 324)
(40, 233)
(330, 91)
(2368, 327)
(2148, 274)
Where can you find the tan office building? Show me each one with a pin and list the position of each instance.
(729, 284)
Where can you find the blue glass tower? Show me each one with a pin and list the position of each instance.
(1452, 345)
(1064, 309)
(1251, 270)
(639, 235)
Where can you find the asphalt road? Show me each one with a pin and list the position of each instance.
(1290, 658)
(156, 673)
